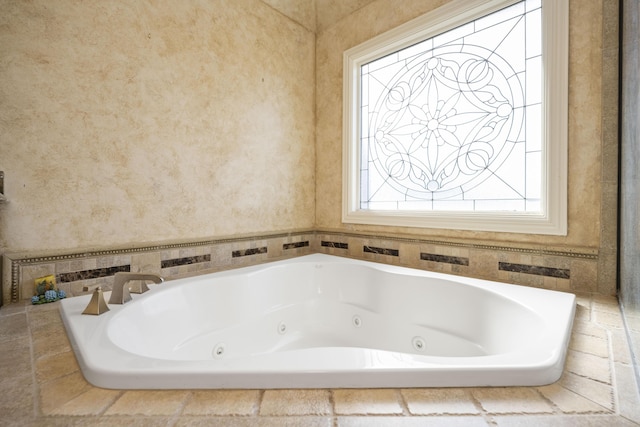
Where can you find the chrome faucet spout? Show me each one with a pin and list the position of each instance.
(120, 292)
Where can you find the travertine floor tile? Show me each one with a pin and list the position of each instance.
(563, 421)
(366, 401)
(628, 394)
(13, 326)
(605, 303)
(590, 344)
(588, 365)
(511, 400)
(568, 401)
(16, 403)
(92, 402)
(588, 328)
(15, 359)
(439, 401)
(620, 346)
(296, 402)
(382, 421)
(255, 422)
(149, 402)
(223, 402)
(59, 391)
(42, 315)
(608, 319)
(46, 345)
(14, 308)
(55, 366)
(101, 421)
(600, 393)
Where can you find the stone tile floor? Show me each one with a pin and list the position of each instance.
(41, 385)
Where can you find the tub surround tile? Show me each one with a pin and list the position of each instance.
(80, 273)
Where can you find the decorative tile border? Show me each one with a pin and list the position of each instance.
(185, 261)
(381, 251)
(91, 274)
(444, 258)
(518, 265)
(295, 245)
(561, 273)
(247, 252)
(337, 245)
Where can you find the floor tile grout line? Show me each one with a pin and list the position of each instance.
(403, 404)
(35, 386)
(612, 373)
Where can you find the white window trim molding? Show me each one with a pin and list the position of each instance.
(555, 47)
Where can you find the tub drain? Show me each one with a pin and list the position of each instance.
(218, 351)
(419, 343)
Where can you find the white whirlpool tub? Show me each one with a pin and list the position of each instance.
(320, 321)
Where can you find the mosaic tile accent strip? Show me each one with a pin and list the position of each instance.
(525, 250)
(338, 245)
(92, 274)
(246, 252)
(382, 251)
(560, 273)
(444, 258)
(295, 245)
(185, 261)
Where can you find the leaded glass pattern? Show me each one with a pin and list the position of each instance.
(453, 123)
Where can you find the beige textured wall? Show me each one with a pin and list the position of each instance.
(147, 121)
(585, 126)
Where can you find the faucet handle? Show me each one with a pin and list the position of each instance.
(97, 305)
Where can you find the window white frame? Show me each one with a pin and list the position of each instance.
(553, 218)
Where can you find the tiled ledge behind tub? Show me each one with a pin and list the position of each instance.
(81, 273)
(543, 268)
(550, 269)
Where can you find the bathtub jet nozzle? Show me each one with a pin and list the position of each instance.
(97, 305)
(120, 292)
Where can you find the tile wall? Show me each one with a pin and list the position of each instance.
(79, 273)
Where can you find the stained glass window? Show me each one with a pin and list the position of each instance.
(453, 122)
(459, 120)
